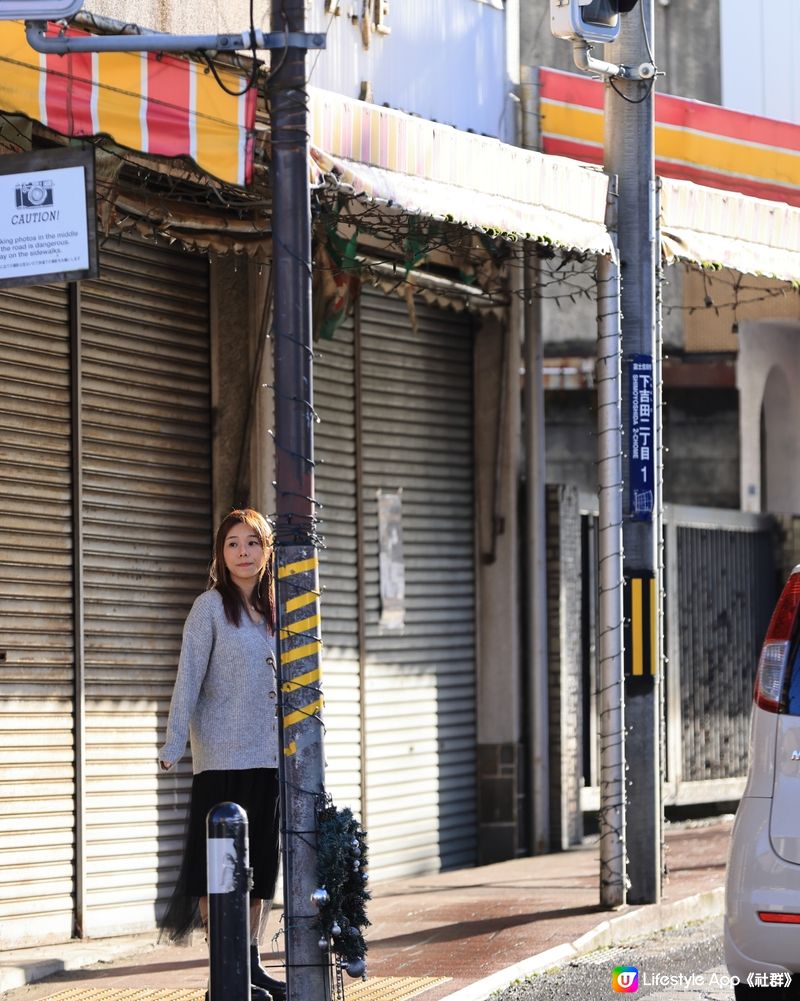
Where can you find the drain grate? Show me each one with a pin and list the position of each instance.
(372, 989)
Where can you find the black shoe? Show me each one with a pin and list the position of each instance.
(260, 978)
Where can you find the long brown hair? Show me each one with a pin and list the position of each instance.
(262, 597)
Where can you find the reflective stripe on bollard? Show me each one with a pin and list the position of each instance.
(228, 903)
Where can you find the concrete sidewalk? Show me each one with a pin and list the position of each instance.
(459, 934)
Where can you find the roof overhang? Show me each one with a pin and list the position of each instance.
(399, 161)
(724, 229)
(442, 173)
(729, 180)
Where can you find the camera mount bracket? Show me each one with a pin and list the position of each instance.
(584, 60)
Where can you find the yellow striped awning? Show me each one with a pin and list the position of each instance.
(730, 181)
(151, 102)
(694, 141)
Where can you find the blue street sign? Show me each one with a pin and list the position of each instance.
(642, 445)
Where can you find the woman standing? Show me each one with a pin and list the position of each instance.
(225, 701)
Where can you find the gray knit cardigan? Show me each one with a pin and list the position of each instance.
(225, 695)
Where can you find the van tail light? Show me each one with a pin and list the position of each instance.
(779, 918)
(771, 674)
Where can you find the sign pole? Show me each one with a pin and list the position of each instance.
(629, 154)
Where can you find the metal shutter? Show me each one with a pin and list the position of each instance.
(147, 531)
(335, 445)
(37, 679)
(420, 683)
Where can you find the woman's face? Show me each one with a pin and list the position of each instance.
(245, 557)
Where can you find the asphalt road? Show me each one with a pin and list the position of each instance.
(681, 964)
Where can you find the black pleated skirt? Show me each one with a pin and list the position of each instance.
(256, 790)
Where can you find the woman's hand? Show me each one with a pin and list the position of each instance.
(165, 765)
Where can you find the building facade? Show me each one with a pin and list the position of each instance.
(136, 415)
(137, 409)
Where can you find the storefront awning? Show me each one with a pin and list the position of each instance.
(694, 141)
(154, 103)
(730, 195)
(711, 227)
(433, 170)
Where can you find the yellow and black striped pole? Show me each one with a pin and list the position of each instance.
(300, 646)
(300, 705)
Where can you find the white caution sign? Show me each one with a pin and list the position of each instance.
(47, 217)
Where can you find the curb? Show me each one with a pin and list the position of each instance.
(615, 931)
(20, 967)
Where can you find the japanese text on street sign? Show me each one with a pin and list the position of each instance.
(642, 447)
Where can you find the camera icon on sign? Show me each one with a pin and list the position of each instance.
(34, 194)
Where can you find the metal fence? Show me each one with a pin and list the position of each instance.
(720, 585)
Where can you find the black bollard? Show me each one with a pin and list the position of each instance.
(228, 903)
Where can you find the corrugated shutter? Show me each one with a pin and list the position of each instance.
(724, 596)
(36, 626)
(147, 531)
(420, 682)
(335, 446)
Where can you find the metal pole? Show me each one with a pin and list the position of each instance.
(536, 501)
(228, 903)
(361, 556)
(629, 155)
(536, 548)
(299, 643)
(78, 606)
(658, 374)
(609, 550)
(38, 39)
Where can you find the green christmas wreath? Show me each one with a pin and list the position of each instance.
(342, 874)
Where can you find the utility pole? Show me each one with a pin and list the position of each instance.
(536, 505)
(629, 154)
(299, 643)
(613, 860)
